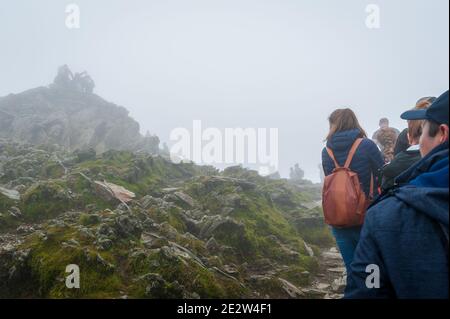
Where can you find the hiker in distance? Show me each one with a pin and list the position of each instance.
(386, 137)
(411, 155)
(350, 161)
(404, 239)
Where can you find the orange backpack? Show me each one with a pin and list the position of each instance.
(343, 200)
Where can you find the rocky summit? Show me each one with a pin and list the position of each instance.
(67, 113)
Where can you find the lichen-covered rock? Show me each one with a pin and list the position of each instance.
(10, 193)
(190, 231)
(185, 199)
(127, 226)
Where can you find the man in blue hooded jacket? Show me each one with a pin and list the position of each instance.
(403, 250)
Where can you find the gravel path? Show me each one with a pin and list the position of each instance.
(331, 279)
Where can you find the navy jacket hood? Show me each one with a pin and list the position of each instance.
(403, 234)
(428, 180)
(424, 168)
(343, 140)
(432, 202)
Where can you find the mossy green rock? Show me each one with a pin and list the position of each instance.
(190, 232)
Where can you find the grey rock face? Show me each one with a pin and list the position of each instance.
(68, 114)
(291, 289)
(213, 224)
(11, 194)
(127, 226)
(185, 199)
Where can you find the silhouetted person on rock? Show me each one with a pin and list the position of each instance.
(83, 82)
(64, 77)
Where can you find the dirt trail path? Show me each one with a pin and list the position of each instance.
(329, 282)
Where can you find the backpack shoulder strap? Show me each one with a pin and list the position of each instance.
(352, 152)
(330, 153)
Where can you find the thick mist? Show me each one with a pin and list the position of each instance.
(250, 64)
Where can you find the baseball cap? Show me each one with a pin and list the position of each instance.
(437, 112)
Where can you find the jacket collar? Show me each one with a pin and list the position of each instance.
(424, 165)
(413, 148)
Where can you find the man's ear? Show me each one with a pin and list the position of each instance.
(444, 130)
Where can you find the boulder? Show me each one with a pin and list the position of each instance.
(15, 212)
(213, 246)
(339, 284)
(149, 201)
(110, 191)
(10, 193)
(85, 155)
(308, 250)
(185, 199)
(291, 290)
(314, 293)
(168, 231)
(211, 225)
(103, 243)
(127, 226)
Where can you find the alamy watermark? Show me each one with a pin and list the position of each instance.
(373, 279)
(256, 147)
(72, 16)
(73, 279)
(373, 19)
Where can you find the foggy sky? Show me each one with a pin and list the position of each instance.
(237, 63)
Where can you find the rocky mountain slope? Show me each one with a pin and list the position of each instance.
(140, 226)
(67, 113)
(80, 186)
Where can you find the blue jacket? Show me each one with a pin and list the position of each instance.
(405, 234)
(367, 160)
